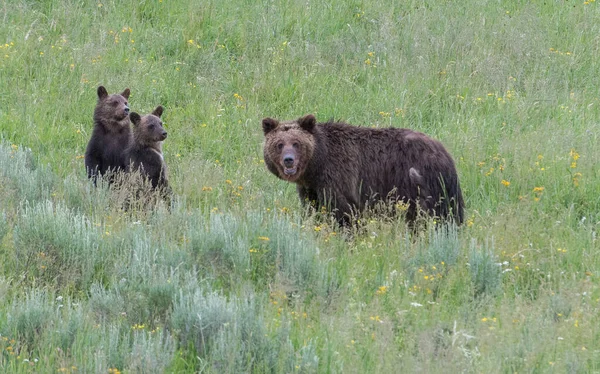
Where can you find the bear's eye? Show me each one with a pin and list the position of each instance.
(115, 103)
(151, 126)
(280, 146)
(295, 145)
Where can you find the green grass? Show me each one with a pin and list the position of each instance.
(237, 276)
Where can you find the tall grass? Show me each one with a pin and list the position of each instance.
(234, 275)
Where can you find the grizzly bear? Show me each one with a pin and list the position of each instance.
(144, 154)
(110, 137)
(347, 168)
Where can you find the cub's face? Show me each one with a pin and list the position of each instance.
(289, 146)
(149, 128)
(112, 107)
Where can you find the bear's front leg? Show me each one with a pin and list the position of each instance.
(338, 204)
(307, 196)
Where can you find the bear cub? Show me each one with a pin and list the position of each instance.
(144, 154)
(348, 168)
(110, 137)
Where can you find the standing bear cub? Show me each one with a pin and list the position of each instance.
(111, 135)
(346, 168)
(145, 152)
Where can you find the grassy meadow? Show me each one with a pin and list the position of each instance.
(237, 276)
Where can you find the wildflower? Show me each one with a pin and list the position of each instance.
(381, 290)
(228, 181)
(206, 188)
(263, 238)
(538, 189)
(505, 183)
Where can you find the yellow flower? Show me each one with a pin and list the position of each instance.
(263, 238)
(228, 181)
(381, 290)
(538, 189)
(505, 183)
(574, 155)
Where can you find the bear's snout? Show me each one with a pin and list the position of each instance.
(288, 161)
(164, 135)
(126, 109)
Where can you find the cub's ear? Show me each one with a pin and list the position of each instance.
(135, 118)
(126, 93)
(307, 122)
(102, 93)
(158, 111)
(269, 124)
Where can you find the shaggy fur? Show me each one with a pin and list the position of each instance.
(145, 152)
(110, 137)
(347, 168)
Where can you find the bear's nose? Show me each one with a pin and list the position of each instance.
(126, 109)
(288, 161)
(164, 134)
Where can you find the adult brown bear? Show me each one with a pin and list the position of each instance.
(111, 135)
(346, 168)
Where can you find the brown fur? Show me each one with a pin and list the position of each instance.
(111, 135)
(145, 152)
(346, 167)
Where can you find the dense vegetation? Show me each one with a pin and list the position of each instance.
(237, 276)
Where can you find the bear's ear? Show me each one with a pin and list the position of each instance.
(307, 122)
(102, 93)
(135, 118)
(158, 111)
(269, 124)
(126, 93)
